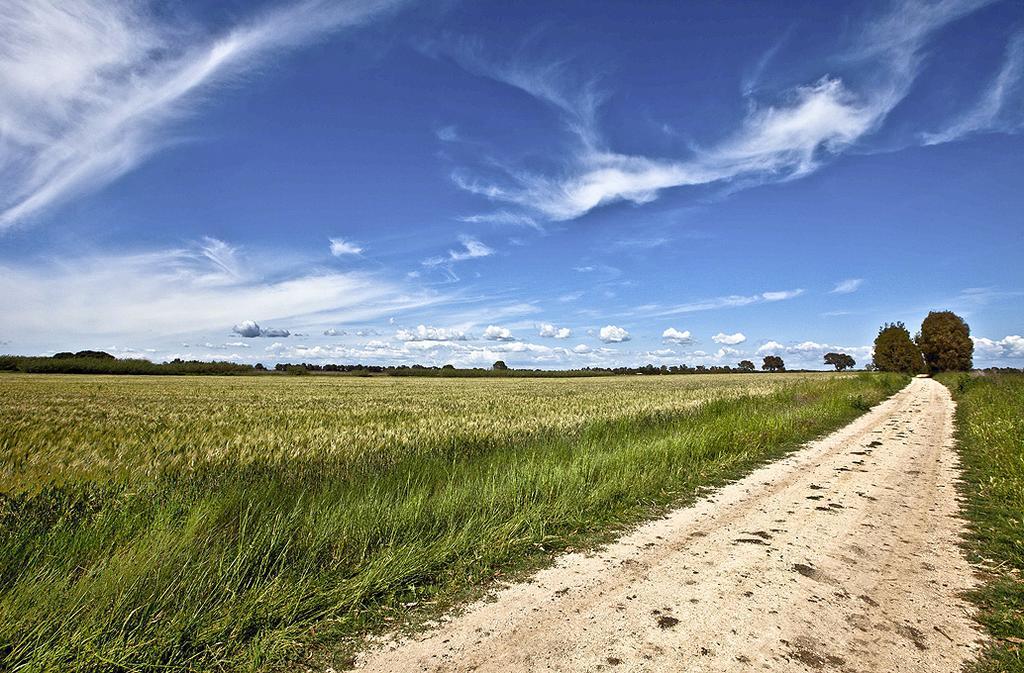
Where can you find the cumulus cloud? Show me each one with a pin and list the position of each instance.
(340, 247)
(425, 333)
(496, 333)
(847, 286)
(581, 348)
(1011, 346)
(471, 249)
(550, 331)
(613, 334)
(672, 335)
(729, 339)
(332, 331)
(89, 89)
(249, 329)
(770, 347)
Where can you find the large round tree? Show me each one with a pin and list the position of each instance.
(895, 351)
(945, 342)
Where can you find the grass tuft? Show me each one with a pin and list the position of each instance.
(990, 437)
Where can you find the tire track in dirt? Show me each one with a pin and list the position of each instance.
(841, 557)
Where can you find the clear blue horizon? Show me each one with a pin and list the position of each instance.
(584, 184)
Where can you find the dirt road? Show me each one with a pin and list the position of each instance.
(842, 557)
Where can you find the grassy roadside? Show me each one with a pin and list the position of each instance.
(990, 435)
(249, 566)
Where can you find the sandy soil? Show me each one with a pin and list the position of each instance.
(842, 557)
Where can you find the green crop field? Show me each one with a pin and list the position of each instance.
(250, 523)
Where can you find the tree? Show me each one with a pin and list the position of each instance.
(895, 352)
(746, 366)
(499, 366)
(945, 342)
(773, 363)
(840, 361)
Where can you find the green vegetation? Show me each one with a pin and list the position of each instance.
(990, 435)
(895, 351)
(943, 345)
(241, 523)
(945, 342)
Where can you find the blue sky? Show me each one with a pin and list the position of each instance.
(551, 184)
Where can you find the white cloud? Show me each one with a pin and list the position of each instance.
(730, 301)
(781, 295)
(770, 347)
(496, 333)
(581, 348)
(986, 114)
(425, 333)
(471, 249)
(672, 335)
(183, 290)
(340, 246)
(503, 217)
(847, 286)
(729, 339)
(613, 334)
(1011, 346)
(88, 89)
(550, 331)
(332, 331)
(786, 139)
(274, 332)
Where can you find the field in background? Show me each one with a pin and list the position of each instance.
(990, 436)
(238, 523)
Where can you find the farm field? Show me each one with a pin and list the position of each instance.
(247, 523)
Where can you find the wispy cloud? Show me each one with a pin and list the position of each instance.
(504, 217)
(847, 286)
(729, 301)
(341, 247)
(786, 139)
(988, 113)
(89, 88)
(471, 249)
(202, 287)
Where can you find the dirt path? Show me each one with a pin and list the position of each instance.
(842, 557)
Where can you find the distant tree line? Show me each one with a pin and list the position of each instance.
(943, 344)
(99, 362)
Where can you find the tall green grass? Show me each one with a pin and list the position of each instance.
(257, 563)
(990, 436)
